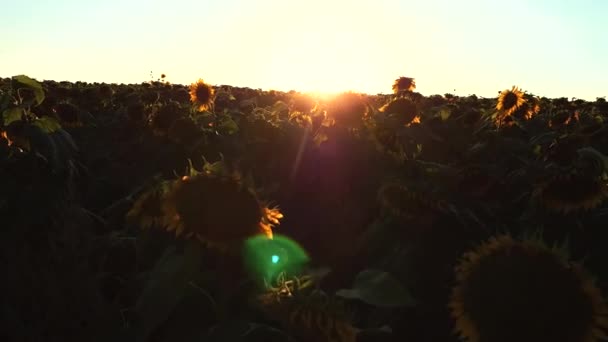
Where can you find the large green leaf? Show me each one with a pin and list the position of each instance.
(378, 288)
(241, 331)
(228, 126)
(11, 115)
(23, 81)
(47, 124)
(168, 283)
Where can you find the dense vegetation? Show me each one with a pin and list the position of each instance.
(163, 212)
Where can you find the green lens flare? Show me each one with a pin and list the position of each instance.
(266, 258)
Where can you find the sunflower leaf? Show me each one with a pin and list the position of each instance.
(378, 288)
(47, 124)
(228, 126)
(23, 81)
(11, 115)
(167, 285)
(238, 331)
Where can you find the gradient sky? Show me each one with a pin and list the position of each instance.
(548, 48)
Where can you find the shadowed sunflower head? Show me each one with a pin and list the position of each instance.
(402, 109)
(510, 100)
(201, 94)
(217, 209)
(165, 116)
(528, 109)
(347, 109)
(571, 192)
(508, 290)
(147, 210)
(310, 317)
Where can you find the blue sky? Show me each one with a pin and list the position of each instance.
(548, 48)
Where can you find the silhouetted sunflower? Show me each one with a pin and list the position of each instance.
(201, 94)
(528, 109)
(216, 209)
(507, 290)
(402, 109)
(510, 100)
(563, 118)
(311, 317)
(347, 109)
(571, 192)
(404, 84)
(16, 134)
(164, 117)
(147, 209)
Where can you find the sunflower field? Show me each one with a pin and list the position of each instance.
(159, 212)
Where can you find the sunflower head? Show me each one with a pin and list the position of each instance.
(201, 94)
(528, 109)
(309, 317)
(563, 118)
(510, 100)
(401, 109)
(508, 290)
(347, 109)
(147, 210)
(403, 84)
(217, 209)
(572, 191)
(164, 117)
(16, 134)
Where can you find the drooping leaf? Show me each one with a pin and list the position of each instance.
(240, 331)
(22, 81)
(167, 285)
(192, 317)
(5, 100)
(378, 288)
(11, 115)
(47, 124)
(445, 114)
(228, 126)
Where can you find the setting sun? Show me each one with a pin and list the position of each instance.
(323, 46)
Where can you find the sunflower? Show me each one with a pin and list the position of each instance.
(404, 84)
(563, 118)
(508, 290)
(510, 100)
(528, 109)
(402, 110)
(147, 209)
(310, 317)
(164, 117)
(218, 210)
(16, 135)
(347, 109)
(201, 94)
(571, 192)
